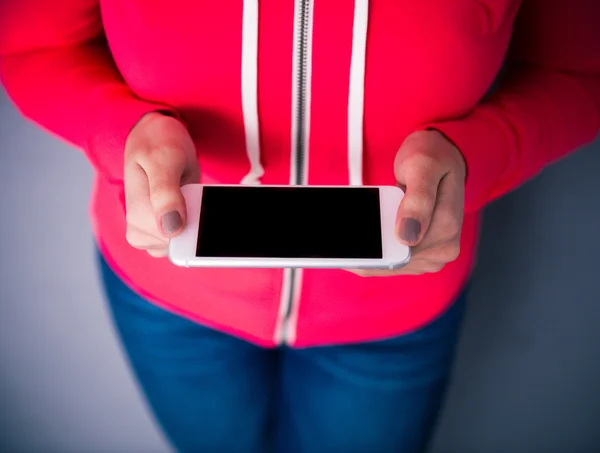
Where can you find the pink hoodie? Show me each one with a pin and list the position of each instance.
(306, 92)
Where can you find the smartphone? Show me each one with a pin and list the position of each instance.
(343, 227)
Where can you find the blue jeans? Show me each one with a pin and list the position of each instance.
(211, 392)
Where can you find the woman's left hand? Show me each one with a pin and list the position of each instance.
(432, 172)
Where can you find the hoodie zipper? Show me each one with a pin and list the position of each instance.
(302, 89)
(302, 21)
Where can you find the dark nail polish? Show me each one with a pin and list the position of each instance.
(410, 229)
(170, 222)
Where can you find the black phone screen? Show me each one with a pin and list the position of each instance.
(288, 222)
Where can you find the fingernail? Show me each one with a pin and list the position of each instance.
(410, 229)
(170, 222)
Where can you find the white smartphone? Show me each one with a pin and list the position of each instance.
(290, 227)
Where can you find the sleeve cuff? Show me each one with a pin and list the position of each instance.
(485, 145)
(113, 115)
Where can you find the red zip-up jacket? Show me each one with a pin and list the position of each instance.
(376, 70)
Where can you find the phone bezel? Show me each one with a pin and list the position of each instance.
(182, 249)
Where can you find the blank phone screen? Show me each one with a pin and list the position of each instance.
(288, 222)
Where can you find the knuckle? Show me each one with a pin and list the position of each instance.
(155, 160)
(152, 155)
(164, 155)
(159, 153)
(423, 161)
(133, 238)
(451, 252)
(449, 223)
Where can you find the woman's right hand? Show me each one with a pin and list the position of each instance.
(160, 157)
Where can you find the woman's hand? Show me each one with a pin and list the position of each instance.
(432, 172)
(159, 158)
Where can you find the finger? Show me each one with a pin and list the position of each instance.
(372, 272)
(136, 188)
(141, 240)
(442, 242)
(449, 210)
(151, 235)
(164, 174)
(421, 176)
(444, 253)
(420, 267)
(382, 272)
(158, 253)
(415, 267)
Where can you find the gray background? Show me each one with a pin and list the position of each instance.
(528, 373)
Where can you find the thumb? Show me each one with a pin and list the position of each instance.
(166, 199)
(420, 180)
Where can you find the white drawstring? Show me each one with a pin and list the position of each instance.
(355, 97)
(250, 90)
(357, 92)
